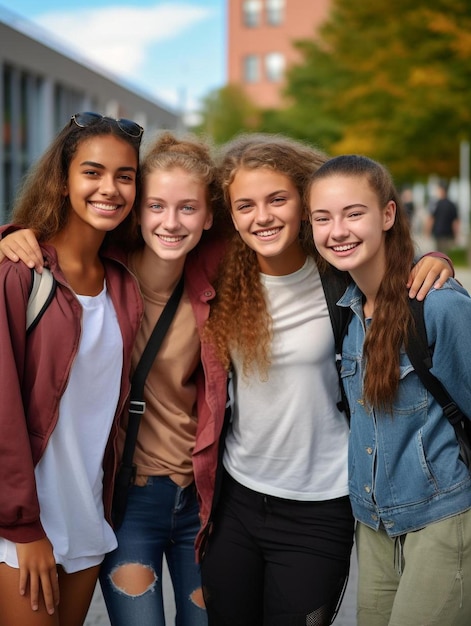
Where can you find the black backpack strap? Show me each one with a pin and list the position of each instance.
(334, 284)
(127, 471)
(420, 356)
(137, 404)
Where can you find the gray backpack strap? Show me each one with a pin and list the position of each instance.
(42, 291)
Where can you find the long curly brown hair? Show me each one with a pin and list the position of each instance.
(41, 204)
(392, 317)
(239, 319)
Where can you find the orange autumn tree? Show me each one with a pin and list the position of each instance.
(388, 79)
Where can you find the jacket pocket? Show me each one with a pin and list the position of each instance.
(411, 395)
(350, 382)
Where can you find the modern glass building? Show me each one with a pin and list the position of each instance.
(41, 85)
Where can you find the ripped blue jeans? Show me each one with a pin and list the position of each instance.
(161, 520)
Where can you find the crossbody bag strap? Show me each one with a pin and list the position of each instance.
(137, 404)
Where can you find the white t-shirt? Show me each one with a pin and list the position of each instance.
(69, 476)
(287, 437)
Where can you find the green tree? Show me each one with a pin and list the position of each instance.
(387, 79)
(227, 112)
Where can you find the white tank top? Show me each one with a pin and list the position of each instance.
(287, 437)
(69, 476)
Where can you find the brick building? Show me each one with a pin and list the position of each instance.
(260, 36)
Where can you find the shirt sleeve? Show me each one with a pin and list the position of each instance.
(19, 507)
(447, 314)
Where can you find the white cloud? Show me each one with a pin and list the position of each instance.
(175, 98)
(118, 38)
(169, 95)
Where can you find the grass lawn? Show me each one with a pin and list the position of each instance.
(459, 256)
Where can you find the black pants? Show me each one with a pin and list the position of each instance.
(276, 562)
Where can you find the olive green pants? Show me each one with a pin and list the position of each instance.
(422, 578)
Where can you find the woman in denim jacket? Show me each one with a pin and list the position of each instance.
(409, 489)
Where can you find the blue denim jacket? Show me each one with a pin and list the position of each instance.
(404, 468)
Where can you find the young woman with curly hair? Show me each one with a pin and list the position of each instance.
(282, 528)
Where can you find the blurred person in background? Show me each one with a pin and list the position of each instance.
(443, 223)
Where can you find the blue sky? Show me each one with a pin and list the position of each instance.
(174, 50)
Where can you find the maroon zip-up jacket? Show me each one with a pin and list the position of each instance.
(34, 370)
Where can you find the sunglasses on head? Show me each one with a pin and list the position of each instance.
(128, 127)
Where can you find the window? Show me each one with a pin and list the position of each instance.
(252, 10)
(274, 67)
(251, 68)
(275, 12)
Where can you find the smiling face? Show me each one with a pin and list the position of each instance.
(266, 210)
(101, 183)
(349, 225)
(174, 212)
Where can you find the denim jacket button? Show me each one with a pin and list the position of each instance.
(367, 488)
(369, 450)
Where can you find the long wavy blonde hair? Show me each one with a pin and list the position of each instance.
(392, 318)
(239, 319)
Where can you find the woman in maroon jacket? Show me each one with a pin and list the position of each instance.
(64, 384)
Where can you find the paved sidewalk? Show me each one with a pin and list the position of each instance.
(97, 615)
(464, 276)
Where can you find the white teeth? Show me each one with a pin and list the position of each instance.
(344, 248)
(105, 207)
(169, 239)
(267, 233)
